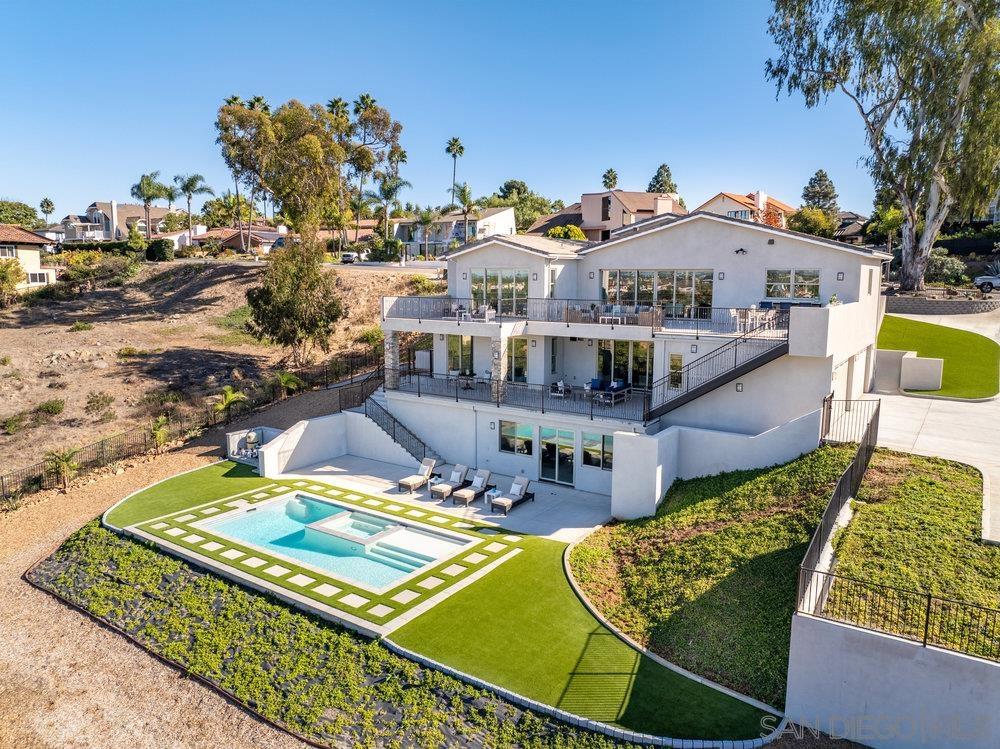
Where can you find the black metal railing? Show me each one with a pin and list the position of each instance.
(626, 405)
(395, 429)
(762, 339)
(845, 421)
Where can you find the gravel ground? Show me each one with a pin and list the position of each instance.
(66, 682)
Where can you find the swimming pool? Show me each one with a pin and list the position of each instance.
(368, 549)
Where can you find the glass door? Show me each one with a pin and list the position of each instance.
(557, 454)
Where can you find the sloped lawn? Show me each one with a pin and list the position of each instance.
(709, 582)
(971, 361)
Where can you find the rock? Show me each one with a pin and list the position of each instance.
(100, 364)
(119, 471)
(236, 374)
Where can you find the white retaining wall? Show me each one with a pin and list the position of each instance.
(889, 693)
(646, 465)
(313, 441)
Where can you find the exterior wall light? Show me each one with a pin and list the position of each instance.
(591, 274)
(740, 251)
(465, 276)
(533, 342)
(493, 425)
(590, 341)
(534, 276)
(694, 348)
(840, 276)
(496, 354)
(440, 336)
(722, 275)
(739, 387)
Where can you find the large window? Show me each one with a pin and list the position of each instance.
(598, 450)
(8, 250)
(37, 278)
(515, 438)
(677, 291)
(460, 354)
(517, 360)
(792, 284)
(628, 361)
(745, 215)
(506, 291)
(676, 365)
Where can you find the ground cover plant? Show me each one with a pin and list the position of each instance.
(709, 581)
(971, 361)
(317, 679)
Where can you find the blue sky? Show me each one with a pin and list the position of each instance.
(549, 93)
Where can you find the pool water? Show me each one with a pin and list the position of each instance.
(369, 550)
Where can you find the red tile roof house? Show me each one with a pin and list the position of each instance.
(28, 249)
(754, 206)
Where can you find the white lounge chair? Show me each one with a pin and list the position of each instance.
(514, 496)
(423, 475)
(469, 494)
(456, 481)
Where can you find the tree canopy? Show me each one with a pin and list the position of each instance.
(527, 205)
(924, 78)
(21, 214)
(812, 220)
(662, 181)
(609, 179)
(569, 231)
(820, 193)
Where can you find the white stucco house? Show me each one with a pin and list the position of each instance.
(110, 221)
(681, 346)
(484, 222)
(29, 250)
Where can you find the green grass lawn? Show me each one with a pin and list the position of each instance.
(709, 582)
(971, 361)
(521, 627)
(917, 524)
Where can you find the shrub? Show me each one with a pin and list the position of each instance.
(80, 325)
(15, 423)
(942, 268)
(570, 231)
(160, 250)
(130, 352)
(385, 252)
(11, 275)
(425, 285)
(4, 361)
(372, 335)
(98, 402)
(52, 407)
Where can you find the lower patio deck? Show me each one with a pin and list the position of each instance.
(559, 513)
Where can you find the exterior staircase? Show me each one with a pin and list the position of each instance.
(374, 409)
(753, 349)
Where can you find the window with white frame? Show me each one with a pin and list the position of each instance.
(38, 278)
(792, 283)
(745, 215)
(8, 250)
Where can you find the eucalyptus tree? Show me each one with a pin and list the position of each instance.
(374, 133)
(924, 78)
(146, 190)
(190, 185)
(456, 150)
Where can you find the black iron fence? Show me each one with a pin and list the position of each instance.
(845, 421)
(354, 376)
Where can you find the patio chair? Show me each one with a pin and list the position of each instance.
(560, 389)
(514, 496)
(421, 477)
(457, 480)
(469, 494)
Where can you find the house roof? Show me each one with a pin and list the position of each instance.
(749, 201)
(9, 233)
(662, 222)
(571, 214)
(453, 216)
(544, 246)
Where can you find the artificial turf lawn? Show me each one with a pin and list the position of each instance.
(520, 627)
(709, 582)
(971, 361)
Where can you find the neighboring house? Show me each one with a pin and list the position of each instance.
(182, 237)
(851, 228)
(571, 215)
(754, 206)
(28, 249)
(683, 346)
(603, 212)
(55, 233)
(486, 222)
(111, 222)
(261, 238)
(354, 232)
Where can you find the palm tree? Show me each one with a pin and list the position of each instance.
(285, 383)
(455, 149)
(146, 190)
(339, 109)
(463, 198)
(259, 104)
(227, 399)
(63, 462)
(426, 219)
(171, 194)
(159, 432)
(46, 207)
(233, 101)
(190, 185)
(388, 191)
(610, 179)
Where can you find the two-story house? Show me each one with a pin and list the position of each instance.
(449, 227)
(603, 212)
(28, 249)
(677, 347)
(111, 221)
(754, 206)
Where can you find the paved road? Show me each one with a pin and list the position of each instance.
(427, 268)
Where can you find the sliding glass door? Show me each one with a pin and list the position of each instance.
(628, 361)
(557, 454)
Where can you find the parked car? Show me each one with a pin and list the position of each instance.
(349, 257)
(986, 284)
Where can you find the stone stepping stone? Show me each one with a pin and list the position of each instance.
(438, 519)
(193, 538)
(237, 504)
(353, 496)
(325, 589)
(254, 562)
(453, 569)
(232, 554)
(353, 600)
(488, 531)
(212, 546)
(260, 495)
(210, 511)
(300, 483)
(276, 570)
(415, 513)
(174, 531)
(405, 596)
(394, 508)
(474, 558)
(430, 583)
(159, 526)
(317, 488)
(494, 547)
(372, 502)
(184, 519)
(512, 539)
(462, 524)
(302, 580)
(380, 610)
(333, 492)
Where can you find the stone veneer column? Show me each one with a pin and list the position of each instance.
(498, 359)
(391, 360)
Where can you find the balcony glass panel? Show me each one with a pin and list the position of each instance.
(517, 359)
(703, 288)
(478, 287)
(626, 287)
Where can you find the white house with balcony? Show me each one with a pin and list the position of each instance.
(681, 346)
(451, 226)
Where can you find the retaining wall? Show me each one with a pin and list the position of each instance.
(909, 305)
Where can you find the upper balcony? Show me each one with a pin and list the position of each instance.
(684, 320)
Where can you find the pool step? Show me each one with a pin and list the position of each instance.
(386, 543)
(365, 526)
(398, 558)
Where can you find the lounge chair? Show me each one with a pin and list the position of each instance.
(514, 496)
(423, 475)
(469, 494)
(456, 481)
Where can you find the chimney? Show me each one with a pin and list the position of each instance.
(662, 204)
(760, 197)
(114, 220)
